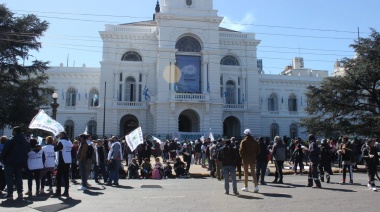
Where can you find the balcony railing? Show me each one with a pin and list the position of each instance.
(138, 105)
(191, 97)
(234, 106)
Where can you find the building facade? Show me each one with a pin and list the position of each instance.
(182, 72)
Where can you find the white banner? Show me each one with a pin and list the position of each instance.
(44, 122)
(187, 135)
(157, 139)
(134, 138)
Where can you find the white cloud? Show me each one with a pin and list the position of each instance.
(239, 25)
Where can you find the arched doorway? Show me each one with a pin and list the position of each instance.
(127, 124)
(231, 127)
(188, 121)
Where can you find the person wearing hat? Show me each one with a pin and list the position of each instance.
(249, 150)
(325, 161)
(371, 156)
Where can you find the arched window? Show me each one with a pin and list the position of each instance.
(293, 131)
(91, 128)
(229, 61)
(188, 44)
(273, 102)
(130, 89)
(292, 103)
(274, 130)
(93, 99)
(230, 92)
(71, 96)
(131, 56)
(69, 128)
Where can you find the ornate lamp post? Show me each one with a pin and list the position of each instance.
(54, 105)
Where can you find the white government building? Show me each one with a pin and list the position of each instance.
(181, 73)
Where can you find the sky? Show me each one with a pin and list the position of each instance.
(319, 31)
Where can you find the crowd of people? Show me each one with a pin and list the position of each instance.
(54, 161)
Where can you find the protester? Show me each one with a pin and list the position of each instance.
(179, 168)
(35, 165)
(262, 161)
(249, 150)
(146, 169)
(213, 159)
(115, 156)
(297, 157)
(314, 160)
(166, 151)
(100, 163)
(279, 156)
(82, 160)
(173, 149)
(133, 169)
(168, 170)
(187, 154)
(325, 161)
(3, 139)
(63, 154)
(346, 151)
(14, 157)
(158, 170)
(90, 157)
(371, 156)
(238, 157)
(74, 161)
(198, 151)
(227, 156)
(49, 165)
(218, 164)
(129, 154)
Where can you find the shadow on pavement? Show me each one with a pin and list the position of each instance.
(277, 195)
(124, 187)
(338, 189)
(283, 186)
(17, 203)
(96, 188)
(242, 196)
(92, 193)
(66, 204)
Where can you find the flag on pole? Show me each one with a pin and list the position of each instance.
(63, 94)
(134, 138)
(156, 139)
(145, 93)
(202, 138)
(85, 131)
(44, 122)
(211, 136)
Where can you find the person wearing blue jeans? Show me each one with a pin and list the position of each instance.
(114, 156)
(102, 167)
(262, 161)
(227, 156)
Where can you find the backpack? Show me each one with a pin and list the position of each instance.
(90, 152)
(226, 155)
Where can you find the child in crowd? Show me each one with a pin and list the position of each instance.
(133, 168)
(146, 169)
(168, 170)
(158, 170)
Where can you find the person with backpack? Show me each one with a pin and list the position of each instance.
(325, 161)
(63, 155)
(371, 156)
(82, 159)
(227, 157)
(314, 160)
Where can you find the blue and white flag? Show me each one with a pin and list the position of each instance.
(145, 93)
(63, 94)
(211, 136)
(85, 94)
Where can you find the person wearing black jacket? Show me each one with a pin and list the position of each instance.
(262, 161)
(314, 160)
(371, 156)
(187, 153)
(14, 157)
(325, 161)
(227, 157)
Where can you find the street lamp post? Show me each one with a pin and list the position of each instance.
(54, 105)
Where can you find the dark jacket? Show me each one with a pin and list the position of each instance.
(227, 155)
(314, 152)
(264, 152)
(347, 152)
(15, 152)
(279, 151)
(366, 151)
(325, 153)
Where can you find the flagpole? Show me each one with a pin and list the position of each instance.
(104, 109)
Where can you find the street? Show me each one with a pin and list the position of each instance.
(206, 194)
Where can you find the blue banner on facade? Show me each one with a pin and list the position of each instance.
(189, 67)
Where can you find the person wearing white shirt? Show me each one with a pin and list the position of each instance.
(49, 165)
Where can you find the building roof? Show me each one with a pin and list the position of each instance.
(154, 23)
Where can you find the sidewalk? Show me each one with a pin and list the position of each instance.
(197, 171)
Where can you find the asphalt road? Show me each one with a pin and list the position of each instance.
(207, 195)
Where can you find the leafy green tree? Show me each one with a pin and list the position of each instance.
(22, 87)
(349, 104)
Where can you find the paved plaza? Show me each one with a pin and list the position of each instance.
(206, 194)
